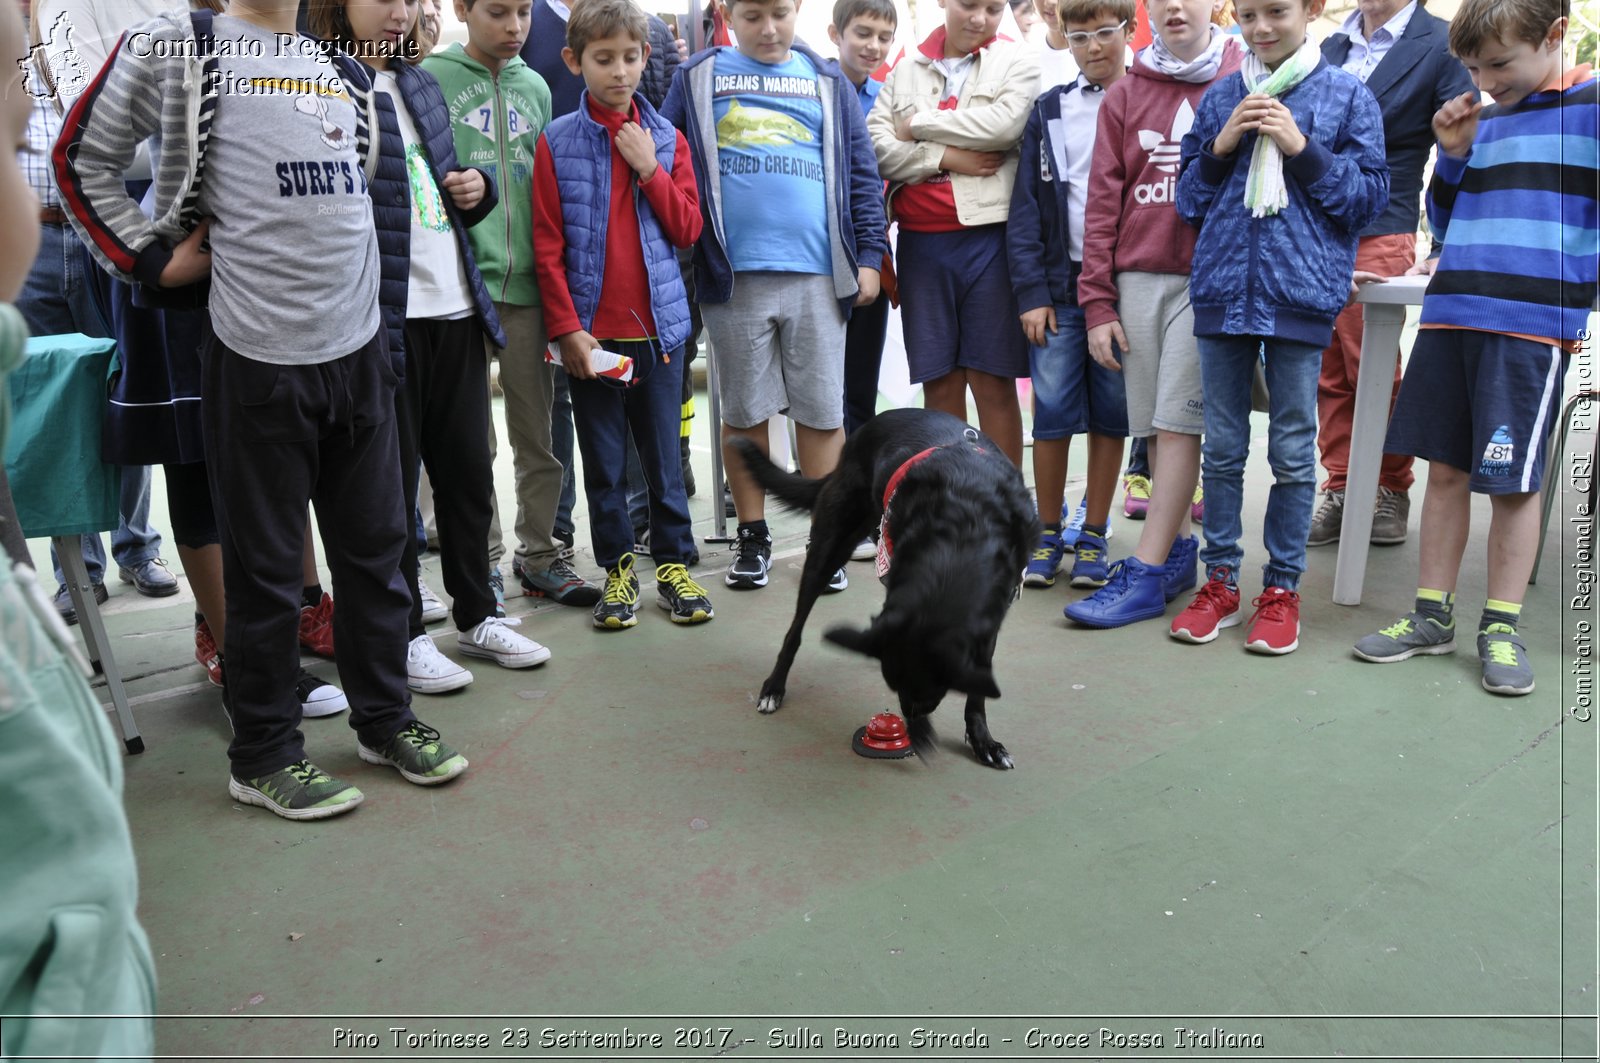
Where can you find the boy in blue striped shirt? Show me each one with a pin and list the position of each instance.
(1513, 201)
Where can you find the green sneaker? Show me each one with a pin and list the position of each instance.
(1411, 635)
(418, 755)
(680, 595)
(300, 791)
(615, 609)
(1505, 661)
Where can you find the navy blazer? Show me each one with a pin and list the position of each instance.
(1411, 82)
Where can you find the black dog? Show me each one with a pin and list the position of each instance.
(958, 530)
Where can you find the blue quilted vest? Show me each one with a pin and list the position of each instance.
(580, 147)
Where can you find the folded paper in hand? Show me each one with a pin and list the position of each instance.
(606, 363)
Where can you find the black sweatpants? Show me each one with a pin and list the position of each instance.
(443, 412)
(863, 358)
(278, 436)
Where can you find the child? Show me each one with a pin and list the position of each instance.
(946, 129)
(1283, 168)
(498, 107)
(298, 390)
(1135, 295)
(442, 406)
(1071, 393)
(1502, 314)
(793, 238)
(613, 196)
(863, 30)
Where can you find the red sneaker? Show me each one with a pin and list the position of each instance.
(1215, 607)
(1275, 628)
(206, 652)
(316, 626)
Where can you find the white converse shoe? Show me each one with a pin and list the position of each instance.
(433, 610)
(494, 640)
(430, 672)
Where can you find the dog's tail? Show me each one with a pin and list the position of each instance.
(790, 490)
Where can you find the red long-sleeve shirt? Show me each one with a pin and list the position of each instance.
(625, 288)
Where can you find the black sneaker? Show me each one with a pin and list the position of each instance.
(751, 562)
(318, 697)
(680, 595)
(615, 609)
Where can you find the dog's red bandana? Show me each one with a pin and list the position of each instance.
(885, 541)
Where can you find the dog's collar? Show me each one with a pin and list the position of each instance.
(885, 553)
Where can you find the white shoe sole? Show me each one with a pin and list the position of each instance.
(865, 550)
(439, 684)
(528, 659)
(328, 706)
(1260, 647)
(1233, 619)
(372, 757)
(1436, 650)
(249, 795)
(433, 616)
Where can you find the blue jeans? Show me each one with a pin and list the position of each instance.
(1227, 364)
(56, 298)
(561, 447)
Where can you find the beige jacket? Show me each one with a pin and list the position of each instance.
(994, 106)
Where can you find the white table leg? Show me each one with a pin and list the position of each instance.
(1380, 350)
(69, 550)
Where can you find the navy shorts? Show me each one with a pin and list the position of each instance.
(957, 307)
(1482, 402)
(1072, 393)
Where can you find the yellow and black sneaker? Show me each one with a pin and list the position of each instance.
(681, 596)
(615, 609)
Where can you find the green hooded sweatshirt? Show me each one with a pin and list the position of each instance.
(497, 122)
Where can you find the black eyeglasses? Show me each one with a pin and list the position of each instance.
(1105, 35)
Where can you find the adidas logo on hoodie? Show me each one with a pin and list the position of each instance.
(1165, 150)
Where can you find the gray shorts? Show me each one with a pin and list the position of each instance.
(1161, 368)
(779, 346)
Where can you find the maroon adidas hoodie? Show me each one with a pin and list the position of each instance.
(1130, 224)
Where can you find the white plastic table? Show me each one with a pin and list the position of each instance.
(1385, 312)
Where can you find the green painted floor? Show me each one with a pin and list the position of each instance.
(1308, 850)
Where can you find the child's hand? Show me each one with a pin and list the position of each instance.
(1456, 123)
(189, 262)
(1036, 322)
(1246, 118)
(870, 283)
(1101, 337)
(575, 348)
(902, 125)
(466, 187)
(972, 163)
(1424, 268)
(638, 149)
(1277, 122)
(1359, 278)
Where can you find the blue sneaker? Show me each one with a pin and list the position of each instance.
(1090, 568)
(1180, 574)
(1133, 592)
(1072, 524)
(1045, 563)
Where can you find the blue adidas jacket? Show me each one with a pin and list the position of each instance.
(391, 199)
(580, 148)
(856, 230)
(1284, 276)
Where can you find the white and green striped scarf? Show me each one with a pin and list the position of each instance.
(1264, 190)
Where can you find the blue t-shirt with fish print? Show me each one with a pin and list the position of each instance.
(769, 155)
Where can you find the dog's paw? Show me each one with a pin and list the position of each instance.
(992, 754)
(767, 704)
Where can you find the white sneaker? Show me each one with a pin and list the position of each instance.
(433, 610)
(430, 672)
(865, 550)
(494, 640)
(318, 697)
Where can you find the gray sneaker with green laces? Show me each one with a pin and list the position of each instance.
(418, 754)
(1504, 656)
(300, 791)
(1412, 635)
